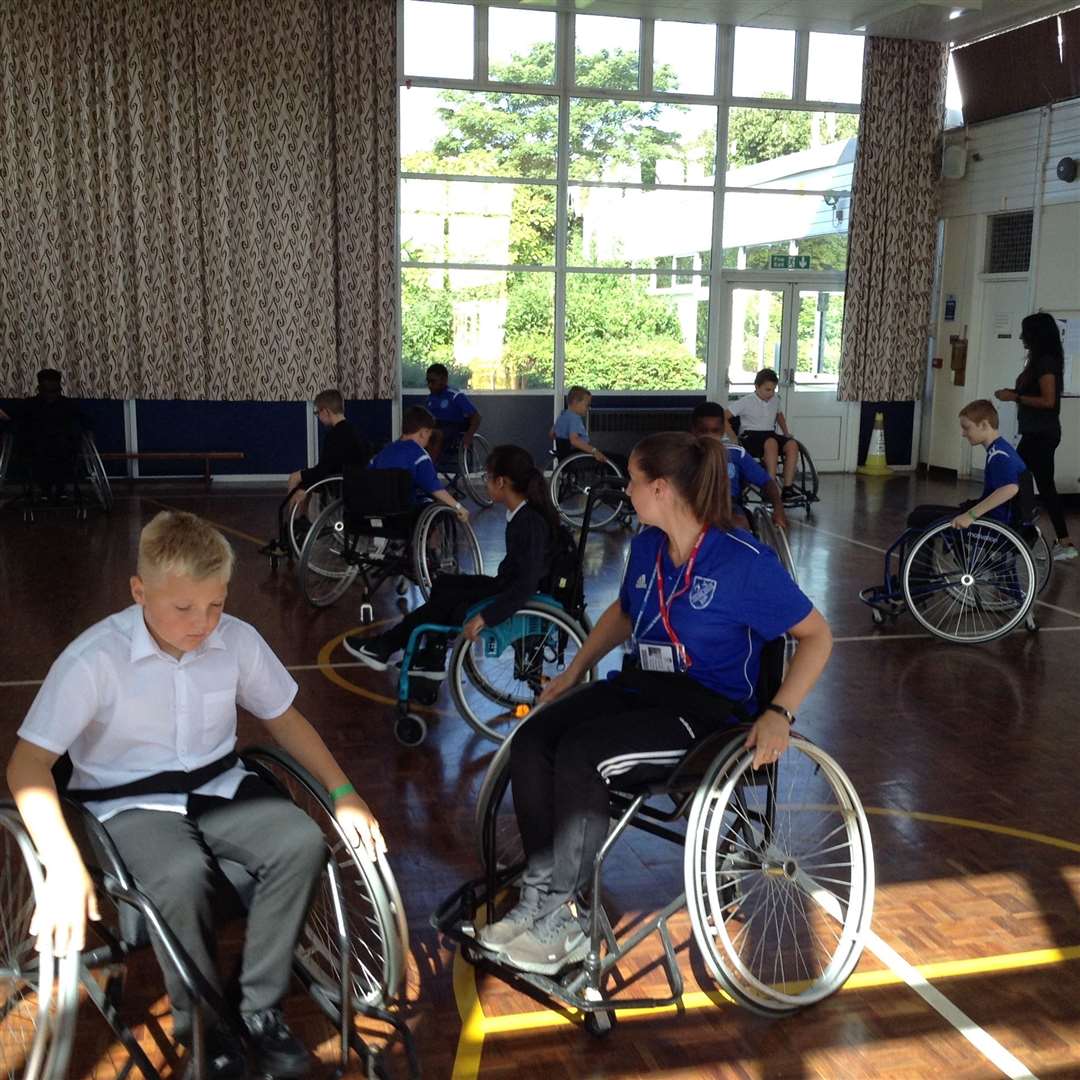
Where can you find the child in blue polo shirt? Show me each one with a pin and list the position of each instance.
(455, 415)
(1001, 473)
(570, 433)
(698, 602)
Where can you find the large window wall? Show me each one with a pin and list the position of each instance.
(576, 188)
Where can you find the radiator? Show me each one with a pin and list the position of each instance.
(619, 430)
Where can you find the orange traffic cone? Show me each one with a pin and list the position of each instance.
(875, 457)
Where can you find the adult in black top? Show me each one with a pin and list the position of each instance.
(343, 445)
(532, 527)
(48, 432)
(1038, 408)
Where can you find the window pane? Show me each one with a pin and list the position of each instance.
(633, 228)
(623, 332)
(684, 57)
(494, 330)
(785, 148)
(642, 142)
(606, 51)
(521, 46)
(820, 327)
(470, 221)
(438, 39)
(757, 320)
(478, 134)
(764, 63)
(758, 227)
(834, 71)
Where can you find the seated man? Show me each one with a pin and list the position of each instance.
(570, 434)
(343, 445)
(144, 703)
(1001, 474)
(455, 415)
(708, 419)
(49, 429)
(759, 416)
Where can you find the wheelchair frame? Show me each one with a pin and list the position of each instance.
(89, 469)
(806, 484)
(340, 1004)
(617, 510)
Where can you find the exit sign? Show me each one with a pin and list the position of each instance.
(789, 262)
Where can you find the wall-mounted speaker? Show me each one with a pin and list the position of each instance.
(1066, 169)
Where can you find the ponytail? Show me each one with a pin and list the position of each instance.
(517, 466)
(695, 466)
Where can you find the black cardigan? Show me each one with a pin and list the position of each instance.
(530, 548)
(343, 445)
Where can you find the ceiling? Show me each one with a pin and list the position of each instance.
(928, 19)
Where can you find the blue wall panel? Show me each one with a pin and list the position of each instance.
(373, 419)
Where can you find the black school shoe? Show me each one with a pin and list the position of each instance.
(277, 1051)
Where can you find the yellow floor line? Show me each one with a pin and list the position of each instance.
(982, 826)
(260, 541)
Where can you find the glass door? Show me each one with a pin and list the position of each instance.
(795, 329)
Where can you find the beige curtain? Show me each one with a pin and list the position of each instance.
(893, 221)
(199, 197)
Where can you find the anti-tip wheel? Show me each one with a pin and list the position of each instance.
(410, 729)
(600, 1024)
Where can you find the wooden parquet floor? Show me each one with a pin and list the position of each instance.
(966, 756)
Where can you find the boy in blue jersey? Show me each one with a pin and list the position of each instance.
(410, 453)
(455, 415)
(570, 433)
(708, 419)
(1001, 474)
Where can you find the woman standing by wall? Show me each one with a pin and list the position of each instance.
(1038, 407)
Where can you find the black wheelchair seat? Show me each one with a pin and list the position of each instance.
(378, 502)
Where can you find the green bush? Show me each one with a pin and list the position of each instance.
(414, 370)
(662, 364)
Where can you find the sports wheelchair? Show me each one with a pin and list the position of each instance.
(84, 469)
(971, 585)
(788, 838)
(373, 532)
(295, 518)
(350, 957)
(575, 474)
(464, 467)
(805, 481)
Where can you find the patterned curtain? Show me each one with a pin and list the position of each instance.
(198, 197)
(893, 221)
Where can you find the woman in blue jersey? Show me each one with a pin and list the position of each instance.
(698, 601)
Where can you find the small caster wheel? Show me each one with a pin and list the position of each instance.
(600, 1024)
(410, 730)
(877, 616)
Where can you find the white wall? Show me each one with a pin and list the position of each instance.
(1015, 171)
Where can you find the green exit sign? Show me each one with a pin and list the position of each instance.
(789, 262)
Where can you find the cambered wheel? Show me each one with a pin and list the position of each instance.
(770, 533)
(7, 445)
(442, 544)
(779, 876)
(571, 481)
(94, 468)
(368, 897)
(473, 470)
(326, 568)
(1043, 558)
(495, 802)
(300, 515)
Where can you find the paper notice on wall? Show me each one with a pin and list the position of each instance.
(1002, 327)
(1070, 342)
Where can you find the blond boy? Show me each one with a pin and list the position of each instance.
(153, 690)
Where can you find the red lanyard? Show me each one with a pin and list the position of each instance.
(665, 606)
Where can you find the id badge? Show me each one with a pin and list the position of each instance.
(654, 657)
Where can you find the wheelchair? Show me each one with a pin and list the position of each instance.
(495, 680)
(790, 837)
(768, 532)
(967, 586)
(574, 475)
(464, 467)
(805, 481)
(295, 518)
(350, 958)
(84, 470)
(373, 532)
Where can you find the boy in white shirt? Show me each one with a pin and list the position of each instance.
(759, 416)
(144, 704)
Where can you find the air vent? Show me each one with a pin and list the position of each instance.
(1008, 247)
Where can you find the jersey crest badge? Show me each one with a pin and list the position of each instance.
(640, 583)
(702, 590)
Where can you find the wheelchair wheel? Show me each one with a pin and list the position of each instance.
(473, 474)
(300, 515)
(496, 679)
(806, 476)
(326, 569)
(38, 993)
(442, 544)
(365, 893)
(495, 810)
(7, 445)
(969, 585)
(779, 876)
(570, 484)
(94, 468)
(768, 532)
(1043, 558)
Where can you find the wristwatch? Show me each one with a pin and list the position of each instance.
(787, 714)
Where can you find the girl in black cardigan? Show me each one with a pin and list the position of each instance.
(532, 524)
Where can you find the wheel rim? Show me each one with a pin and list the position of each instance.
(776, 538)
(1043, 559)
(494, 692)
(325, 569)
(780, 914)
(444, 545)
(319, 496)
(95, 473)
(570, 484)
(969, 585)
(496, 798)
(375, 964)
(474, 473)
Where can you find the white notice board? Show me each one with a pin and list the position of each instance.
(1069, 324)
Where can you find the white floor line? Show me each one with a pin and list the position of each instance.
(882, 637)
(881, 551)
(982, 1040)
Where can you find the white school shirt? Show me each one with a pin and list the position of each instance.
(755, 414)
(123, 709)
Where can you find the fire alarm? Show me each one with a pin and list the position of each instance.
(1066, 169)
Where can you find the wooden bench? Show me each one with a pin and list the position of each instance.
(205, 456)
